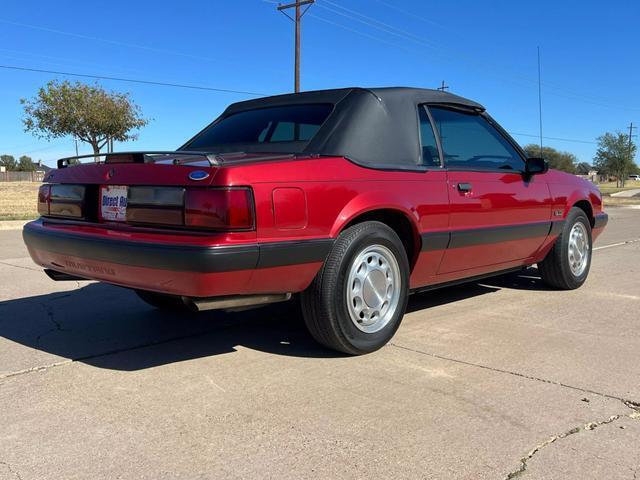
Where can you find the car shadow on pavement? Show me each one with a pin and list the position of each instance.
(526, 279)
(109, 327)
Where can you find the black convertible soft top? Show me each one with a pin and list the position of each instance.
(377, 127)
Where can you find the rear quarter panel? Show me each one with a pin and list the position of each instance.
(336, 191)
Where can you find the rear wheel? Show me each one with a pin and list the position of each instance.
(163, 301)
(567, 265)
(358, 299)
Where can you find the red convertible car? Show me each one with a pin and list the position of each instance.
(353, 198)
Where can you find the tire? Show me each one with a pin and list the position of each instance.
(367, 263)
(556, 269)
(163, 301)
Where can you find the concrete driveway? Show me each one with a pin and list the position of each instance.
(499, 379)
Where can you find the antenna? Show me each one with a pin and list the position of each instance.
(540, 99)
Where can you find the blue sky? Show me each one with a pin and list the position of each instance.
(483, 50)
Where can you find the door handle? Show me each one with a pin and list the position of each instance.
(464, 187)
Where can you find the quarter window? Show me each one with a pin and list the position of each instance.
(430, 156)
(470, 141)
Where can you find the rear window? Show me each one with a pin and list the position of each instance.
(291, 123)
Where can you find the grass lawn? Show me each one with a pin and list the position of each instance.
(618, 201)
(609, 188)
(18, 200)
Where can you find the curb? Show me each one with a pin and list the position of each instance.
(12, 224)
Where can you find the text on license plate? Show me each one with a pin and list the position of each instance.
(113, 203)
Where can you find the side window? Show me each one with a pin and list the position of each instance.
(470, 141)
(286, 132)
(430, 156)
(283, 132)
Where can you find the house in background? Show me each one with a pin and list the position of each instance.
(593, 177)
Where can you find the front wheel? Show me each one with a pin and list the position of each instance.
(567, 265)
(358, 299)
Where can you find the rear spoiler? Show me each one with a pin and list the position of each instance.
(166, 157)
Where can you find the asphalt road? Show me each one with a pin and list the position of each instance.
(485, 380)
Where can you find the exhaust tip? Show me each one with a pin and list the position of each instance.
(233, 302)
(60, 276)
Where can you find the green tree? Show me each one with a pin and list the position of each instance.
(8, 161)
(615, 156)
(25, 164)
(88, 112)
(583, 168)
(564, 161)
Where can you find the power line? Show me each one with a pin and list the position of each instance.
(359, 32)
(132, 80)
(572, 140)
(106, 40)
(374, 23)
(411, 14)
(521, 80)
(595, 100)
(196, 87)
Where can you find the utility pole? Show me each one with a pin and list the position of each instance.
(631, 135)
(297, 20)
(443, 87)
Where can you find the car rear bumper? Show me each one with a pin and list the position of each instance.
(600, 220)
(180, 269)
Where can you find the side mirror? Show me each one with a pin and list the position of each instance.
(536, 166)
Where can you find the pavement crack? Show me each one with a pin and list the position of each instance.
(524, 461)
(20, 266)
(57, 326)
(619, 244)
(41, 368)
(11, 470)
(38, 368)
(51, 315)
(629, 403)
(635, 406)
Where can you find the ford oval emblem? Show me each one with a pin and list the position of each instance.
(198, 175)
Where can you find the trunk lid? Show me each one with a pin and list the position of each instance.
(137, 168)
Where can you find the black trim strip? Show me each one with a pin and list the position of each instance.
(191, 258)
(556, 227)
(482, 236)
(435, 241)
(600, 220)
(186, 258)
(279, 254)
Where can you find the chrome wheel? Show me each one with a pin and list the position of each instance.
(578, 249)
(373, 288)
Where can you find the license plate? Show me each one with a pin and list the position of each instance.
(113, 203)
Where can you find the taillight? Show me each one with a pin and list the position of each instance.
(61, 200)
(219, 208)
(44, 193)
(156, 205)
